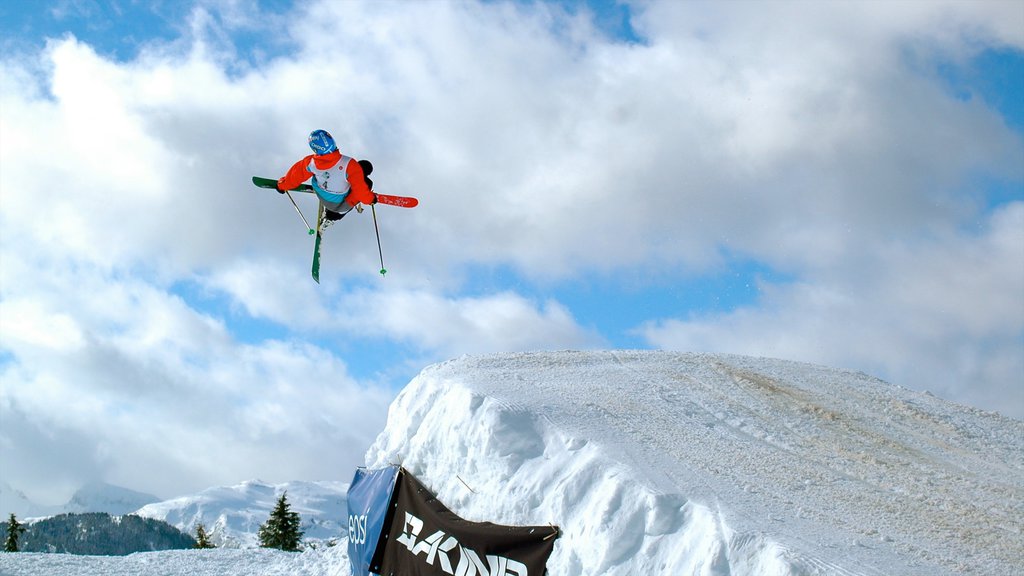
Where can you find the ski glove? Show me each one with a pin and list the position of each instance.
(279, 190)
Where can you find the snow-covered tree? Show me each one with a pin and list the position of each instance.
(14, 529)
(282, 528)
(202, 539)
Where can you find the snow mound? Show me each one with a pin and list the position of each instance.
(232, 515)
(671, 463)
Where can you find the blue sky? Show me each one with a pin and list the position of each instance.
(842, 186)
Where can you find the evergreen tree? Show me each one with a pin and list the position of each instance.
(202, 539)
(281, 530)
(14, 529)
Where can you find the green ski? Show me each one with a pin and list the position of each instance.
(316, 244)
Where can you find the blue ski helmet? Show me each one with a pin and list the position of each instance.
(321, 142)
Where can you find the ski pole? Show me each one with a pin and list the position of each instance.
(373, 209)
(311, 231)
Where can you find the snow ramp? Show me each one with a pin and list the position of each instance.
(671, 463)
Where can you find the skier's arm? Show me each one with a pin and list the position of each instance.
(360, 193)
(297, 174)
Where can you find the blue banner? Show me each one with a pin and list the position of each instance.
(368, 497)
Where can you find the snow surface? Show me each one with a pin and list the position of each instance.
(671, 463)
(216, 562)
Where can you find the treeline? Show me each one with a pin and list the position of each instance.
(99, 534)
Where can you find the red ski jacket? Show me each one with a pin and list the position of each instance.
(299, 173)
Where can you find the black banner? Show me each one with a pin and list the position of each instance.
(426, 538)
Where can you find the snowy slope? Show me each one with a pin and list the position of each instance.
(232, 515)
(676, 464)
(667, 463)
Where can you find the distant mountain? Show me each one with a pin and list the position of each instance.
(14, 501)
(99, 534)
(93, 497)
(232, 515)
(102, 497)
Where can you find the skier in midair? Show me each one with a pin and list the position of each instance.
(340, 181)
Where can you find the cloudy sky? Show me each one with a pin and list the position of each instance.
(830, 182)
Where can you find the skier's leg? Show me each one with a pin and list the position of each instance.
(336, 211)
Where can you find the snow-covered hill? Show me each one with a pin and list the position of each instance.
(232, 515)
(668, 463)
(675, 464)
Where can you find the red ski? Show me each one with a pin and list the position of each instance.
(388, 199)
(402, 201)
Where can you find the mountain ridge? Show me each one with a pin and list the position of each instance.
(233, 514)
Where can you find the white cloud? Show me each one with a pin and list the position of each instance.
(945, 316)
(814, 140)
(26, 323)
(449, 327)
(442, 326)
(555, 151)
(162, 396)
